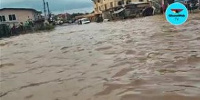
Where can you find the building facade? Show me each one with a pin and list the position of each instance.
(18, 15)
(103, 5)
(65, 16)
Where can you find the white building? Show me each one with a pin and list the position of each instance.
(18, 15)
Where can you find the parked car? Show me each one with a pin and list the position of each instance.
(106, 20)
(59, 22)
(83, 21)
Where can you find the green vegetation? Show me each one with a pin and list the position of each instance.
(4, 30)
(7, 31)
(46, 27)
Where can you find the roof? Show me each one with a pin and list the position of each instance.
(85, 16)
(21, 9)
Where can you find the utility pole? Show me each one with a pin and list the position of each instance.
(44, 9)
(49, 13)
(199, 4)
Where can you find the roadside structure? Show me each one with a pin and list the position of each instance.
(16, 16)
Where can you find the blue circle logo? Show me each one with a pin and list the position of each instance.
(176, 14)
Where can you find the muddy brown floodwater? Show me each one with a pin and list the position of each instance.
(136, 59)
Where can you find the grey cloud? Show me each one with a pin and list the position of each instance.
(55, 5)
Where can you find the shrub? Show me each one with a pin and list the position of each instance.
(4, 30)
(49, 27)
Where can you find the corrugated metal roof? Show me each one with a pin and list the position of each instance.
(31, 9)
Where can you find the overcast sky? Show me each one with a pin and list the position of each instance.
(56, 6)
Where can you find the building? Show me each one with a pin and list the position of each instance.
(12, 16)
(103, 5)
(105, 8)
(90, 16)
(65, 16)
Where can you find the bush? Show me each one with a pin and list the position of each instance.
(4, 30)
(47, 27)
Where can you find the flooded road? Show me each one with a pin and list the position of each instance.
(137, 59)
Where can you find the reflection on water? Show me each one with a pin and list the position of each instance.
(137, 59)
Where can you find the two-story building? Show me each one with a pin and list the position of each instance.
(12, 16)
(104, 7)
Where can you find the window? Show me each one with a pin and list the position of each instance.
(120, 3)
(2, 19)
(105, 7)
(12, 17)
(111, 4)
(128, 1)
